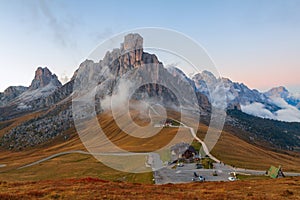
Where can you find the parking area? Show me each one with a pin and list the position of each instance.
(185, 173)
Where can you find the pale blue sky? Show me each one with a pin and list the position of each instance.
(252, 41)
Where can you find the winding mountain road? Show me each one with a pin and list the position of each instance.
(192, 131)
(167, 176)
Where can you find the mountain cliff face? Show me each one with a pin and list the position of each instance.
(120, 69)
(129, 62)
(137, 67)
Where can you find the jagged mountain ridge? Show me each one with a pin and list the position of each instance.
(236, 93)
(278, 103)
(133, 63)
(106, 73)
(129, 56)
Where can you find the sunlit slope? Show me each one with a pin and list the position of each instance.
(229, 149)
(234, 151)
(72, 166)
(239, 153)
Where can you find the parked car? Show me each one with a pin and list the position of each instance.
(231, 178)
(198, 178)
(198, 166)
(215, 173)
(180, 164)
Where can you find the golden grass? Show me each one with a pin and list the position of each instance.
(92, 188)
(230, 149)
(72, 166)
(234, 151)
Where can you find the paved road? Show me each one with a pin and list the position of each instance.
(156, 163)
(163, 175)
(186, 173)
(192, 131)
(260, 172)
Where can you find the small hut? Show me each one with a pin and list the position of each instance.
(275, 172)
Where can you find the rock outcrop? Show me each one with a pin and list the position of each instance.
(139, 67)
(43, 77)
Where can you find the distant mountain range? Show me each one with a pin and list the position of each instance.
(272, 104)
(278, 103)
(47, 94)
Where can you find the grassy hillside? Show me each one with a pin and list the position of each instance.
(276, 134)
(236, 152)
(72, 166)
(230, 149)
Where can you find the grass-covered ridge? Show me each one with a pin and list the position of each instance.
(283, 135)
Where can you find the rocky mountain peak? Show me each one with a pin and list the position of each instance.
(132, 41)
(278, 92)
(43, 76)
(132, 51)
(279, 89)
(130, 55)
(206, 76)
